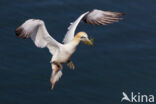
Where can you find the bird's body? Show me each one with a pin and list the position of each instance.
(64, 52)
(36, 30)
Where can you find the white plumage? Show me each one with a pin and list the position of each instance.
(36, 30)
(71, 29)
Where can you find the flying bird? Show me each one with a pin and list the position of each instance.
(62, 52)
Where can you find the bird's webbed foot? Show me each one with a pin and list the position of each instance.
(70, 65)
(59, 65)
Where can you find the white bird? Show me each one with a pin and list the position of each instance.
(125, 97)
(36, 30)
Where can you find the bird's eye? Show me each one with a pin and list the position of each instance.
(82, 37)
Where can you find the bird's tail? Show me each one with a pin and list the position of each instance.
(55, 76)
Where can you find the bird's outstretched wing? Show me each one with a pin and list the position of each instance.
(71, 29)
(94, 17)
(36, 29)
(99, 17)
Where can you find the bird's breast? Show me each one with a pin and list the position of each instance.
(63, 55)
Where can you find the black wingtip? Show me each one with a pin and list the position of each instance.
(20, 33)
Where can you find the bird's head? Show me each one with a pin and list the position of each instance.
(82, 36)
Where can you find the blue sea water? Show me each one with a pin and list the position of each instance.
(123, 58)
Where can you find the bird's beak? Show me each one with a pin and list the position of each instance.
(89, 41)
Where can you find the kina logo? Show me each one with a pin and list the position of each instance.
(137, 97)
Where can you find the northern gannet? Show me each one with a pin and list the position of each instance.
(36, 30)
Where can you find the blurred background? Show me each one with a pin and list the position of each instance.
(123, 58)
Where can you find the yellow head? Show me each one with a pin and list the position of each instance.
(82, 36)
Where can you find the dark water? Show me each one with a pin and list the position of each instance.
(122, 59)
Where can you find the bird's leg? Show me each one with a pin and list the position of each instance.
(70, 64)
(59, 65)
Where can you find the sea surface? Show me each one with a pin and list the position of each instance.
(123, 58)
